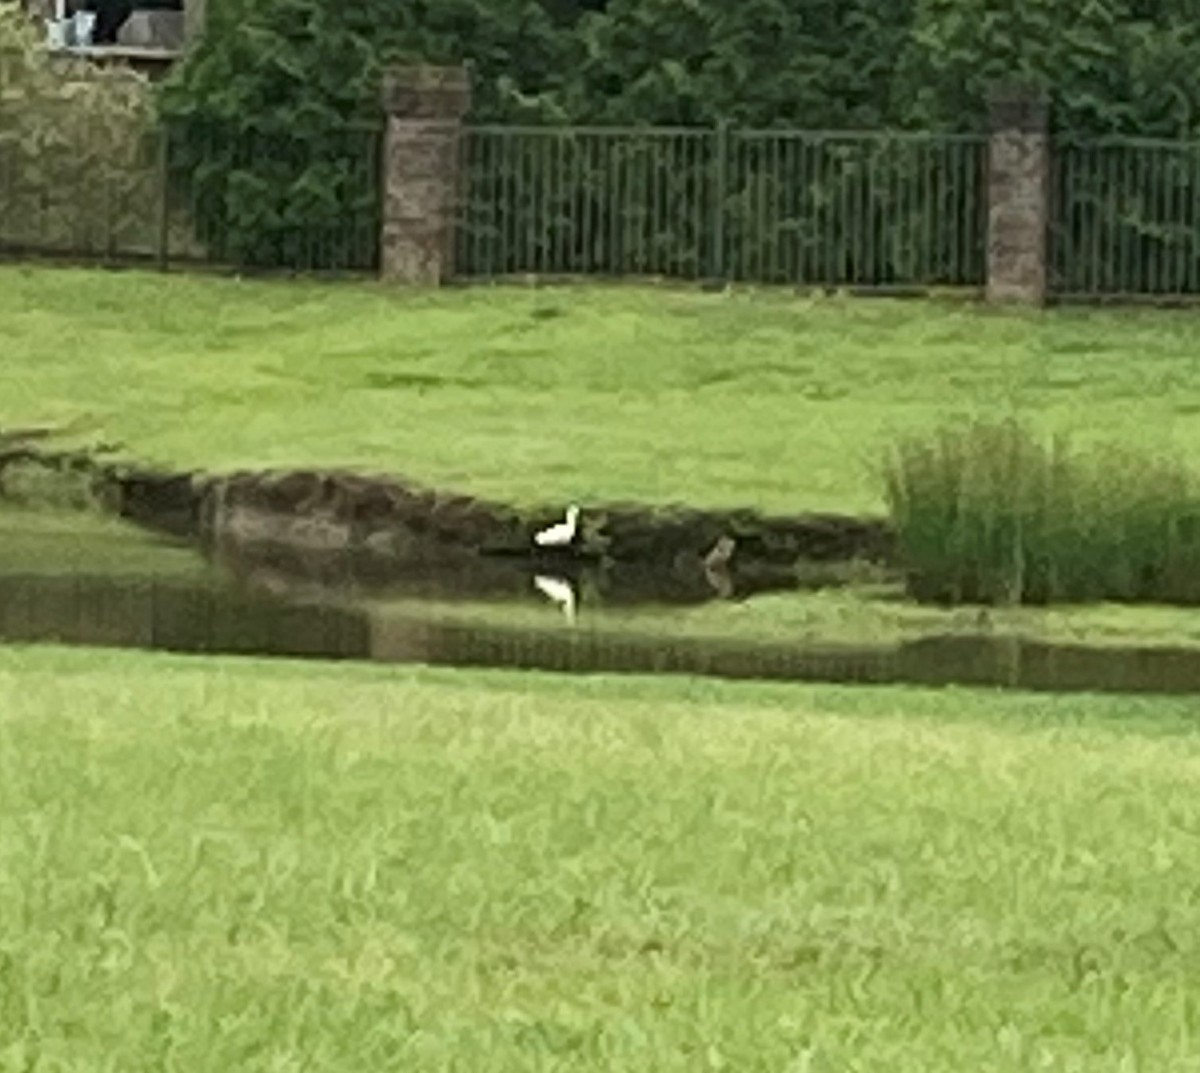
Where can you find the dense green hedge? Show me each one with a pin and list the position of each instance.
(299, 71)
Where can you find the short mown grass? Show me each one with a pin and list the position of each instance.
(587, 393)
(990, 512)
(220, 864)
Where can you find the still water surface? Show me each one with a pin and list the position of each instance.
(57, 589)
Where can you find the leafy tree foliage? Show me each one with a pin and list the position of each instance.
(1109, 66)
(262, 114)
(759, 63)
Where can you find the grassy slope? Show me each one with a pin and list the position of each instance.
(542, 395)
(222, 865)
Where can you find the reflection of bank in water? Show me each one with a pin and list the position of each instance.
(312, 557)
(193, 617)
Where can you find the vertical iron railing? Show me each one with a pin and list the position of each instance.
(1125, 217)
(759, 206)
(593, 201)
(865, 209)
(853, 209)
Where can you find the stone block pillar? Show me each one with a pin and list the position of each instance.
(424, 107)
(1018, 197)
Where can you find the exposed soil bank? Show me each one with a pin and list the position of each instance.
(399, 520)
(392, 520)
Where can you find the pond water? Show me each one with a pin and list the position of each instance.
(121, 588)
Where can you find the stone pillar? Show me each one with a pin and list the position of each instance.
(1018, 196)
(424, 108)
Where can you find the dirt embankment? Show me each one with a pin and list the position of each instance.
(391, 519)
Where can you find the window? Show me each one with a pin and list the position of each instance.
(133, 26)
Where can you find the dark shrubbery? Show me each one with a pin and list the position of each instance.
(297, 72)
(273, 120)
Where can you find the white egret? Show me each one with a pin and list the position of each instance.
(559, 590)
(561, 534)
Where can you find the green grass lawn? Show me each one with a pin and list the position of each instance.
(595, 393)
(216, 865)
(228, 864)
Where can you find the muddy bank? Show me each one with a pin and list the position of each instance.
(387, 520)
(393, 519)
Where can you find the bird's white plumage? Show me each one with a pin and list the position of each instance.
(561, 534)
(559, 590)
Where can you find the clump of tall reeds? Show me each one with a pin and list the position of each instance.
(986, 512)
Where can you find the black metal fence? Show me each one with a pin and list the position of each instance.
(808, 208)
(799, 207)
(1125, 218)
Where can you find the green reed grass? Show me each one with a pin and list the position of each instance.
(987, 512)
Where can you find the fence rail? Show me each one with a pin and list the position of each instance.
(802, 207)
(1125, 218)
(819, 208)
